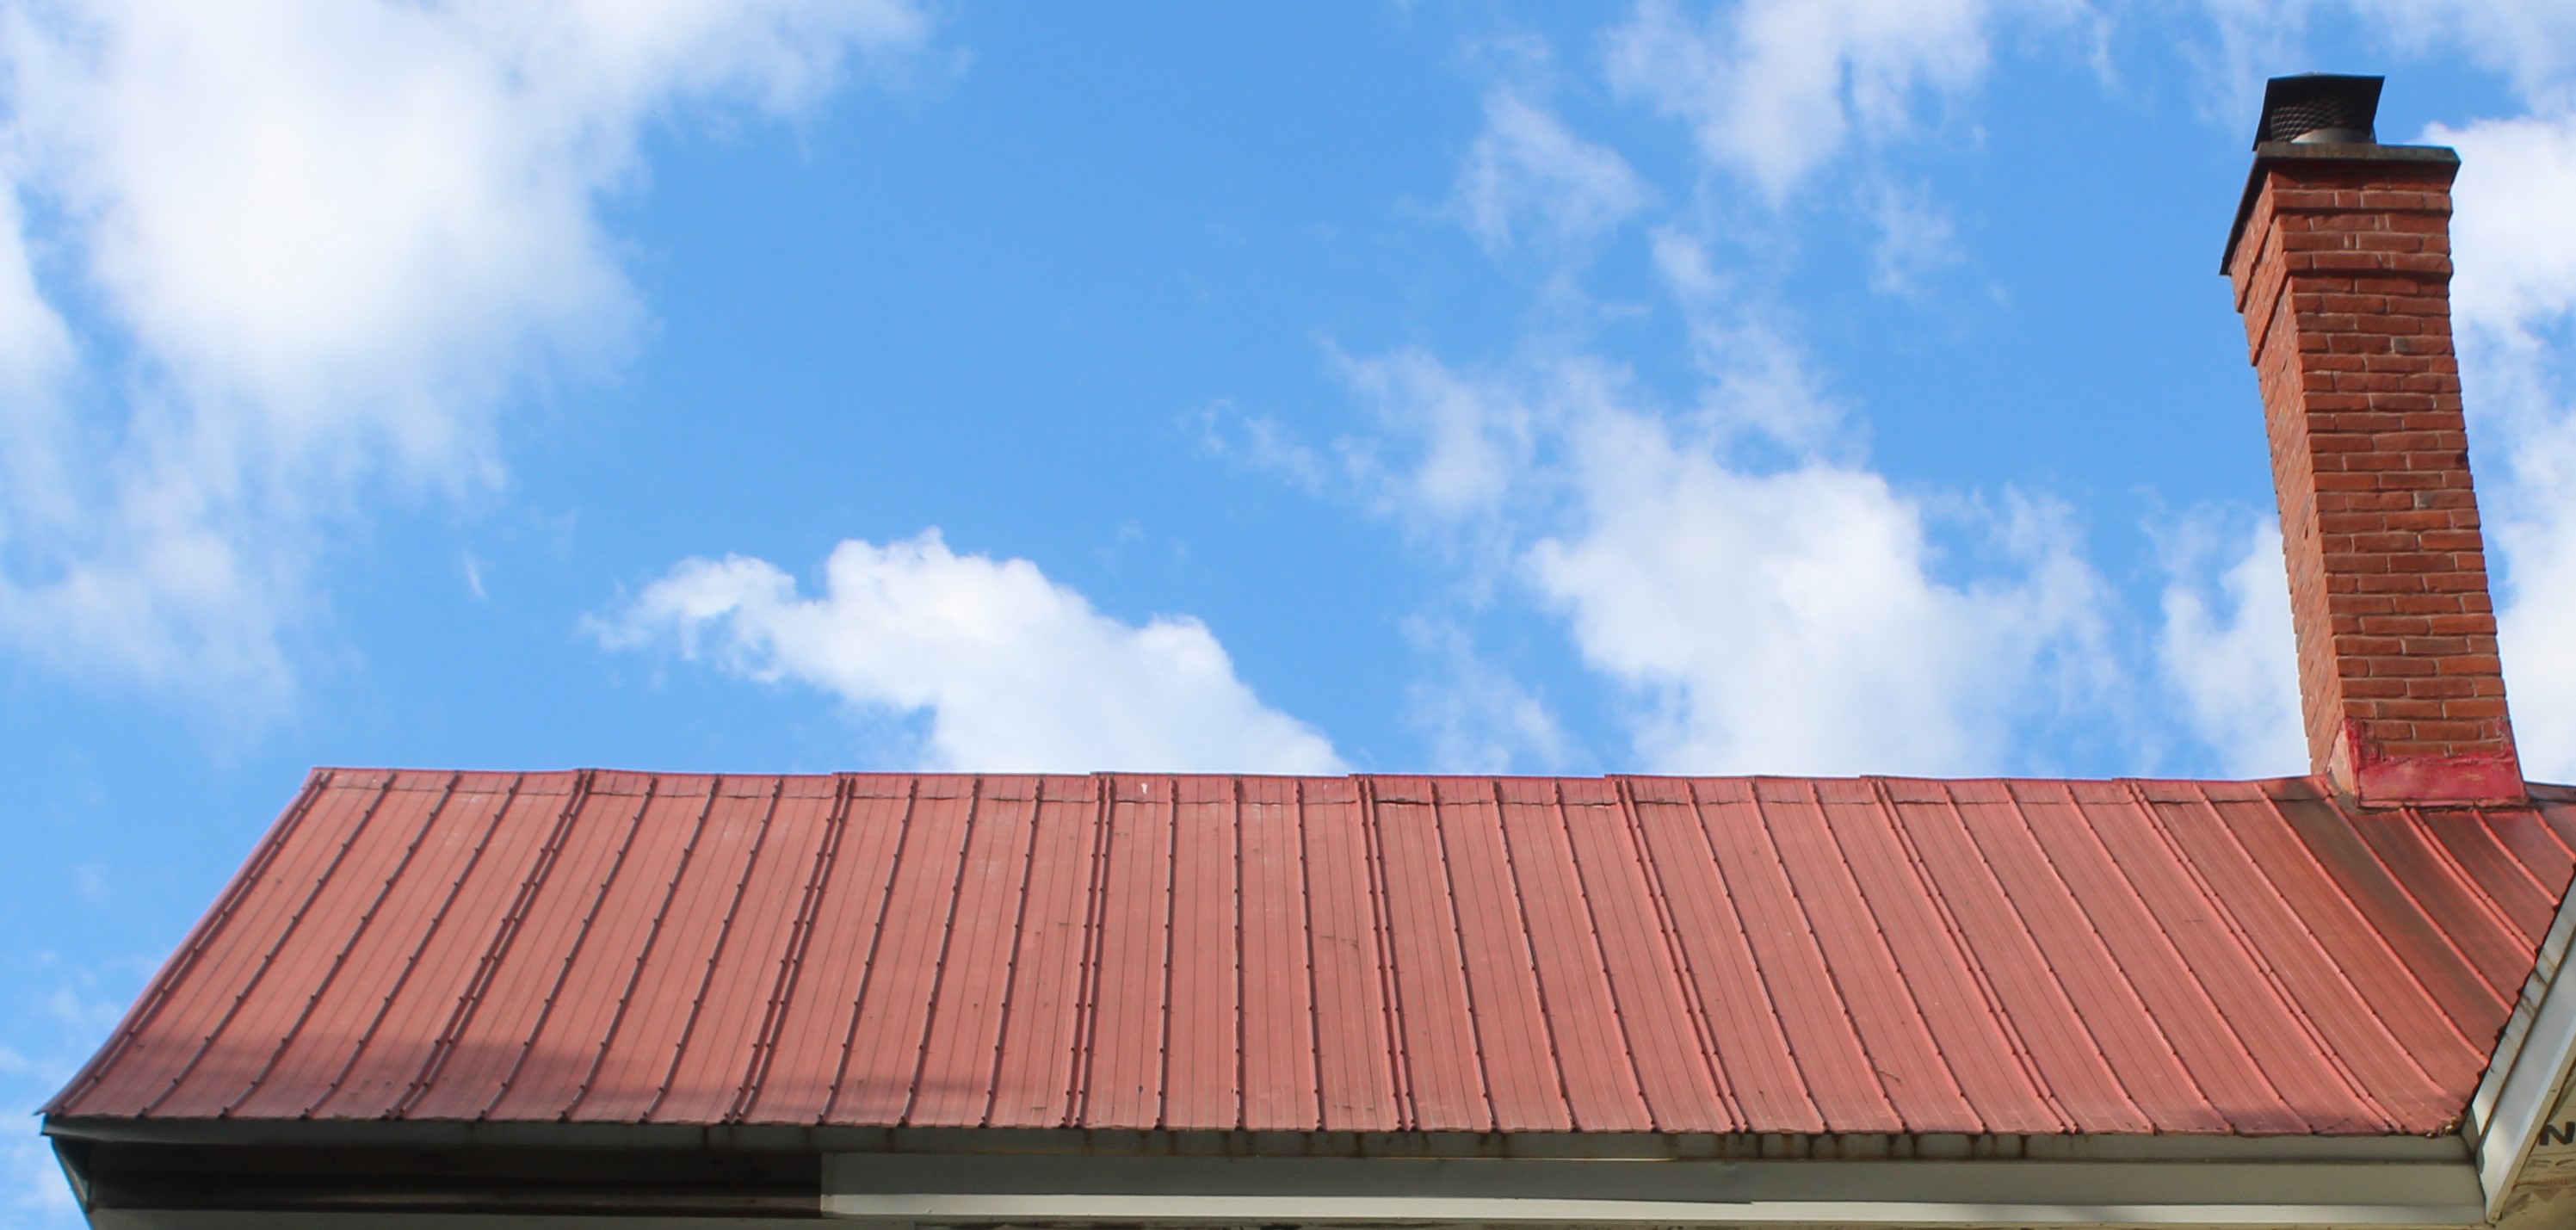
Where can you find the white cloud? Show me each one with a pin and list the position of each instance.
(2532, 42)
(1774, 618)
(1463, 444)
(1759, 384)
(1480, 719)
(1529, 181)
(2231, 656)
(2514, 308)
(1016, 672)
(1773, 89)
(1793, 621)
(1915, 239)
(2515, 252)
(323, 240)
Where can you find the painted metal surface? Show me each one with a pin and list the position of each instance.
(1350, 954)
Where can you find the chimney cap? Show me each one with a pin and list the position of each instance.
(2313, 108)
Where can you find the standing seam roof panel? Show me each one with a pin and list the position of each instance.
(1913, 1073)
(1505, 1005)
(182, 1010)
(393, 1043)
(1358, 1051)
(326, 1034)
(553, 900)
(2363, 953)
(2027, 990)
(551, 1058)
(1034, 1084)
(824, 989)
(1769, 955)
(2382, 1066)
(428, 1030)
(1816, 1016)
(1668, 1048)
(963, 1034)
(2096, 982)
(1977, 1045)
(1444, 1058)
(2227, 966)
(1203, 1062)
(2214, 1055)
(257, 1021)
(1763, 1077)
(663, 1001)
(883, 1064)
(2446, 967)
(1586, 1031)
(708, 1067)
(1281, 1087)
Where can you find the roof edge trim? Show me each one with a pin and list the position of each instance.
(2531, 1065)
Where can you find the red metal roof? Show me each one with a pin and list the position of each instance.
(1350, 954)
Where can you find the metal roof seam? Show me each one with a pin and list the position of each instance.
(2237, 930)
(1600, 957)
(1770, 842)
(800, 932)
(1408, 1112)
(2378, 936)
(437, 920)
(932, 1003)
(2395, 870)
(2056, 979)
(2486, 828)
(1729, 894)
(1242, 940)
(1466, 974)
(366, 918)
(2448, 859)
(401, 942)
(1529, 953)
(2564, 843)
(1742, 932)
(2200, 987)
(1011, 967)
(572, 953)
(644, 954)
(1086, 996)
(1878, 931)
(469, 999)
(1977, 973)
(183, 962)
(2128, 981)
(1676, 955)
(876, 939)
(1306, 919)
(260, 971)
(1171, 905)
(715, 954)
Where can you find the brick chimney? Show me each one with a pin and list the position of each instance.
(2341, 262)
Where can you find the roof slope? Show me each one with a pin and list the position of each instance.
(1350, 954)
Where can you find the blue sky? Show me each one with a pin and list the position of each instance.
(1791, 387)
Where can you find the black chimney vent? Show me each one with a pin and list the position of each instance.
(2320, 107)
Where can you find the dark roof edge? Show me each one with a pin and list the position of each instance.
(1535, 1146)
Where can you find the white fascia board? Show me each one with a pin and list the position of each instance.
(2528, 1075)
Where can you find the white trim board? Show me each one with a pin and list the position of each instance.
(2524, 1093)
